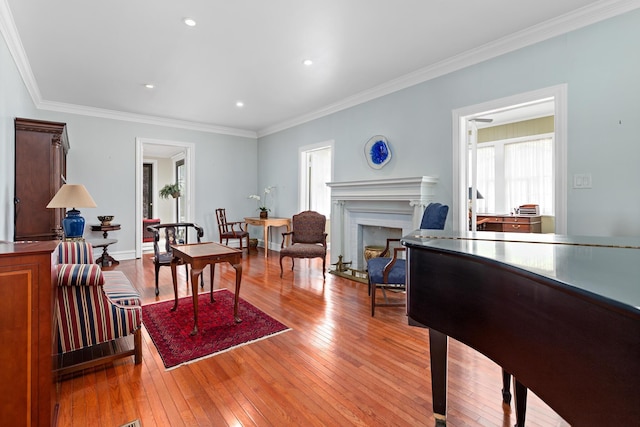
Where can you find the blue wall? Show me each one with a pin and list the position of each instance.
(600, 65)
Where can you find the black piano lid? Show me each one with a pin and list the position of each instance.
(601, 267)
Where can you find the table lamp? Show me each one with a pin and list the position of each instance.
(478, 195)
(72, 196)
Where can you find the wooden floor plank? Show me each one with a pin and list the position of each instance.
(337, 366)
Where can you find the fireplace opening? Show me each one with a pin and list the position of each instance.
(370, 236)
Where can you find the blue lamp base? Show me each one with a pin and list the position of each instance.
(73, 224)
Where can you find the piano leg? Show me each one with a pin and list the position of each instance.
(438, 350)
(520, 392)
(506, 387)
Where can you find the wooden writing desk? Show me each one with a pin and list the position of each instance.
(509, 223)
(266, 223)
(199, 255)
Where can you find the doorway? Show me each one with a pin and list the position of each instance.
(467, 121)
(174, 152)
(316, 169)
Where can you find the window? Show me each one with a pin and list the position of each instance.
(515, 172)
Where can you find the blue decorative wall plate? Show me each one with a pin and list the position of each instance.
(377, 151)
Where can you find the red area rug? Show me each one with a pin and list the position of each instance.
(217, 331)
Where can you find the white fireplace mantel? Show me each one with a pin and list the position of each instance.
(376, 201)
(415, 190)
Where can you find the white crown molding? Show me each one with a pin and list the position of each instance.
(557, 26)
(10, 33)
(563, 24)
(141, 118)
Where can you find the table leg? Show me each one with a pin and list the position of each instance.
(238, 268)
(266, 239)
(520, 392)
(174, 277)
(195, 272)
(288, 235)
(438, 349)
(212, 266)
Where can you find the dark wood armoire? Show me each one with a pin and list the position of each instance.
(40, 171)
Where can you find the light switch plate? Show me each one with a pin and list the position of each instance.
(582, 180)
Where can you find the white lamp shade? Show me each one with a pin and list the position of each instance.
(72, 196)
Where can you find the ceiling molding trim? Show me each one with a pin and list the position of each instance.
(141, 118)
(561, 25)
(10, 34)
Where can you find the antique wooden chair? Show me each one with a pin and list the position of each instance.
(231, 230)
(173, 234)
(308, 239)
(389, 270)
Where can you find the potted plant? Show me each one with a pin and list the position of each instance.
(170, 190)
(264, 210)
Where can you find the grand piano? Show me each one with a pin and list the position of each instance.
(559, 313)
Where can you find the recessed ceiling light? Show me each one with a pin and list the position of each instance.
(149, 86)
(189, 22)
(307, 62)
(239, 104)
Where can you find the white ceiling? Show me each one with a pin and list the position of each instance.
(95, 57)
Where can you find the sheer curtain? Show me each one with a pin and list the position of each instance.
(486, 179)
(528, 170)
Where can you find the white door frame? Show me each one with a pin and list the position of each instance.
(189, 155)
(460, 120)
(302, 172)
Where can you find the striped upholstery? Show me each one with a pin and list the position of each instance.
(79, 275)
(75, 253)
(119, 290)
(92, 306)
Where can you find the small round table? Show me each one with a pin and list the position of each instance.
(105, 260)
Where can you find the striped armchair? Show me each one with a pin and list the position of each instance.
(92, 308)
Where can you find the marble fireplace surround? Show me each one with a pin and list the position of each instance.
(393, 202)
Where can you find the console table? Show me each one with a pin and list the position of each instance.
(266, 223)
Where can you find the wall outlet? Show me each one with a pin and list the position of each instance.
(582, 180)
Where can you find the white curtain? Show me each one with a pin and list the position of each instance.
(529, 174)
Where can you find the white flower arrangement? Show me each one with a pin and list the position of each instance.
(257, 198)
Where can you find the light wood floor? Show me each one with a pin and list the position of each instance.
(338, 366)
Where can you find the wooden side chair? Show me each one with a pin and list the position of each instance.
(389, 271)
(173, 234)
(231, 229)
(308, 239)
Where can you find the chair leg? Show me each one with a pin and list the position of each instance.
(280, 266)
(137, 345)
(324, 261)
(157, 272)
(373, 298)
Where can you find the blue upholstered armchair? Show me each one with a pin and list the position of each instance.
(389, 271)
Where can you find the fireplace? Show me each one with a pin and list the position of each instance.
(393, 207)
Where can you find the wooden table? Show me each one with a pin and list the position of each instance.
(266, 223)
(199, 255)
(105, 229)
(105, 260)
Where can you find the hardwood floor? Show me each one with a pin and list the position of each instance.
(338, 366)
